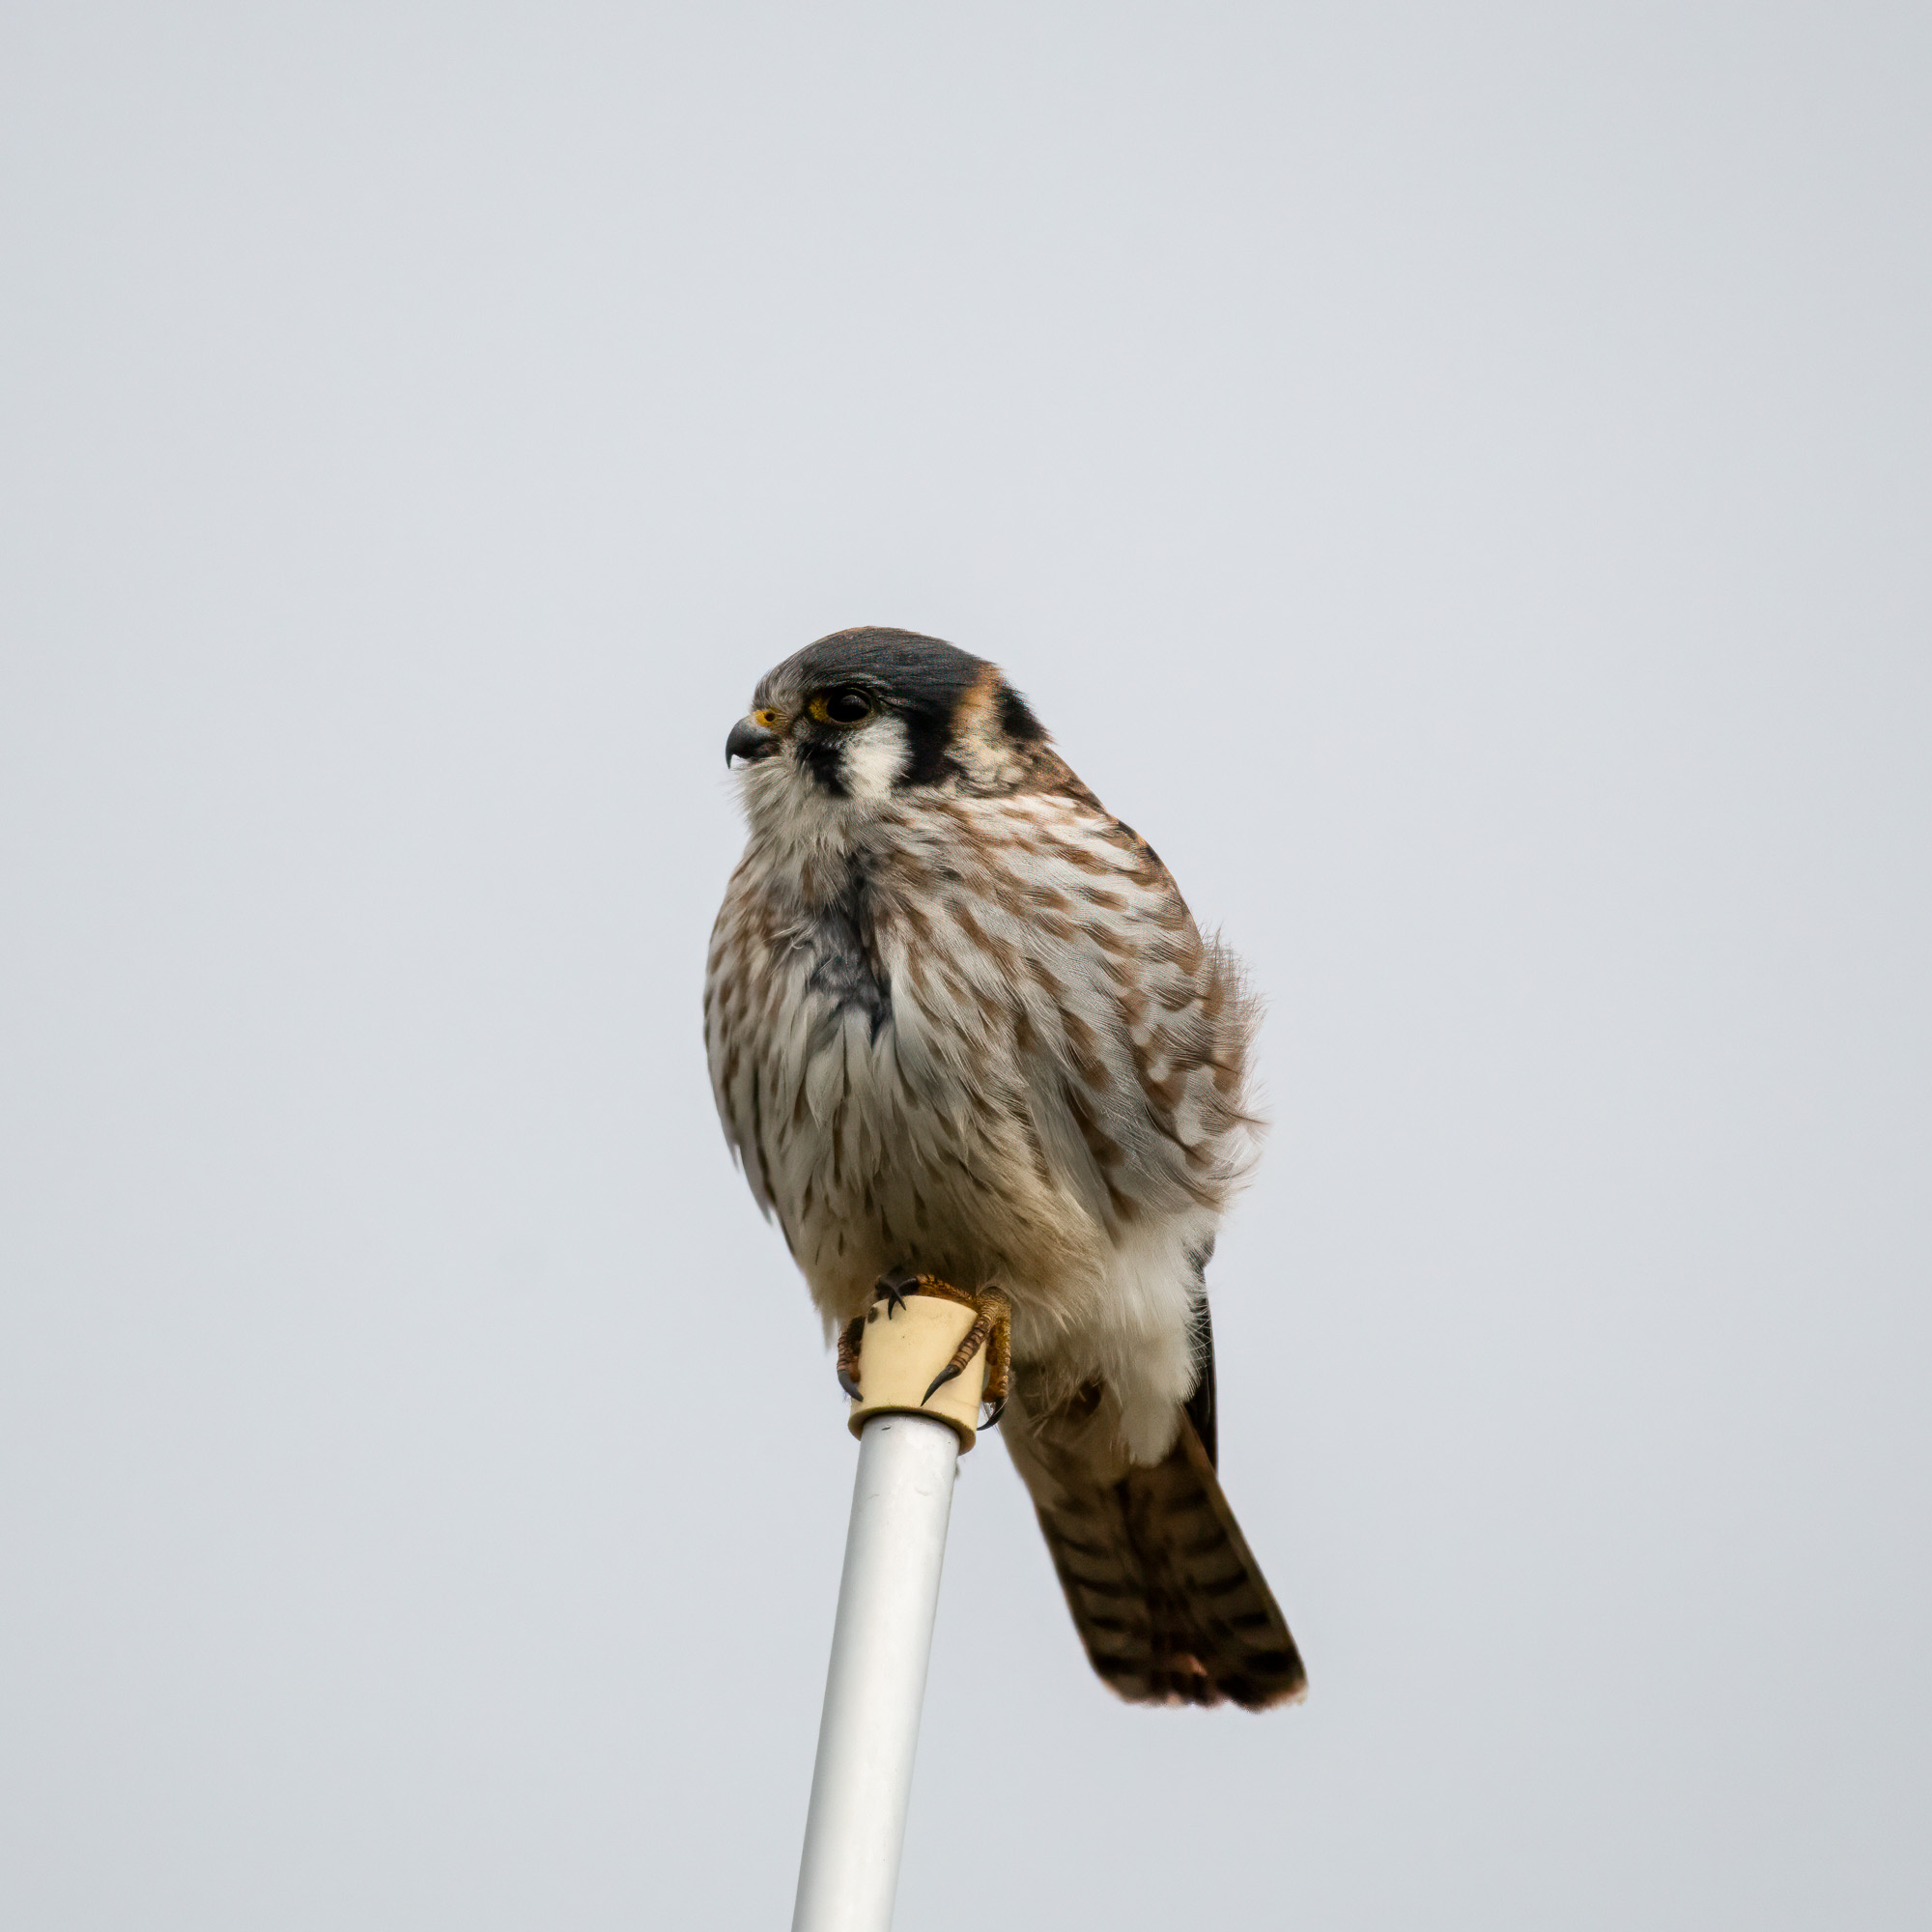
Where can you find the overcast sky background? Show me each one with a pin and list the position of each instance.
(1457, 480)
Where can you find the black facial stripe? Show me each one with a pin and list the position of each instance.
(928, 741)
(1016, 718)
(820, 757)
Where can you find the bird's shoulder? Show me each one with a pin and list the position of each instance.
(1046, 845)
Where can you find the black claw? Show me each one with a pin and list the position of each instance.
(850, 1387)
(939, 1382)
(893, 1293)
(998, 1409)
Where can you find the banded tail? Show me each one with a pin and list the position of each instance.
(1168, 1599)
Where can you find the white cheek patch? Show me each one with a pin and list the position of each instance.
(875, 758)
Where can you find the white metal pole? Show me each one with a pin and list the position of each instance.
(901, 1499)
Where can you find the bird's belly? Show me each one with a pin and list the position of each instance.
(889, 1160)
(900, 1135)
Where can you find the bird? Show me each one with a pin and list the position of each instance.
(960, 1024)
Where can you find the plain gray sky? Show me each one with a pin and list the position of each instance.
(1456, 479)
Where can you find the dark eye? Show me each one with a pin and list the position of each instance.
(843, 707)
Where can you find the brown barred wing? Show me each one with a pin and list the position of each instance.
(1168, 1599)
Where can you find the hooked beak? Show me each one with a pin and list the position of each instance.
(750, 741)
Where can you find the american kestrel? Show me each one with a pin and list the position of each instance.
(961, 1023)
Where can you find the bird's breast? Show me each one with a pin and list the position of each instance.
(842, 974)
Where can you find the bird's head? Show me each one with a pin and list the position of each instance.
(864, 714)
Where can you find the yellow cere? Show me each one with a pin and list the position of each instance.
(768, 718)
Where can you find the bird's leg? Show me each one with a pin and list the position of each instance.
(848, 1356)
(991, 1330)
(999, 1363)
